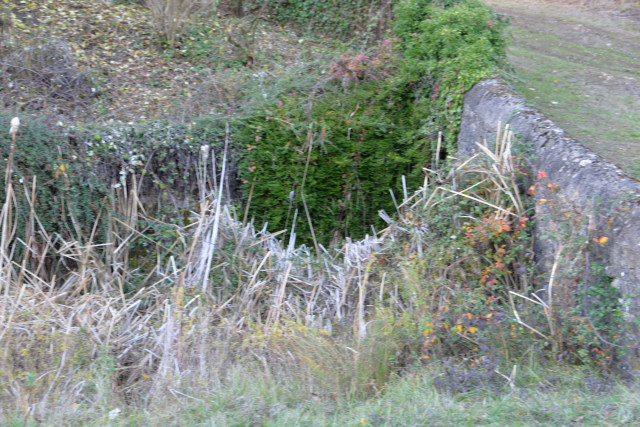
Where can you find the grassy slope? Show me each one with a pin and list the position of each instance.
(582, 68)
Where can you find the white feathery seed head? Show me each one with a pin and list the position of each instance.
(15, 123)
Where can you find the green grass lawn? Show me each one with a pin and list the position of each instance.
(588, 90)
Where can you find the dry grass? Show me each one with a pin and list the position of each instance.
(171, 16)
(76, 344)
(222, 291)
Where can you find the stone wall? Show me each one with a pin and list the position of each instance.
(592, 195)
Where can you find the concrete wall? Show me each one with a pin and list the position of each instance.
(593, 195)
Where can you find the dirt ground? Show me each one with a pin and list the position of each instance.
(579, 62)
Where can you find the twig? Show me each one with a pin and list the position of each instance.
(304, 179)
(437, 159)
(515, 312)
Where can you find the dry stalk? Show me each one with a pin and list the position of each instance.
(152, 332)
(213, 236)
(304, 179)
(274, 312)
(170, 16)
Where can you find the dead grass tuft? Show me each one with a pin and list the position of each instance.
(337, 323)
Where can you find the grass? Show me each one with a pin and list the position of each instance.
(415, 402)
(249, 397)
(583, 88)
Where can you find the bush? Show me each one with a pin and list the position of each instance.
(69, 196)
(337, 149)
(83, 176)
(171, 16)
(374, 118)
(448, 46)
(48, 72)
(338, 18)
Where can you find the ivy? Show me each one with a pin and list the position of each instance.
(68, 196)
(341, 18)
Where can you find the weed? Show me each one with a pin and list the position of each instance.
(171, 16)
(46, 72)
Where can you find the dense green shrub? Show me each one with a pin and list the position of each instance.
(371, 120)
(448, 46)
(354, 130)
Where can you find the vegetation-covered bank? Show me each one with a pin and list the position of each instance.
(121, 303)
(370, 124)
(318, 154)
